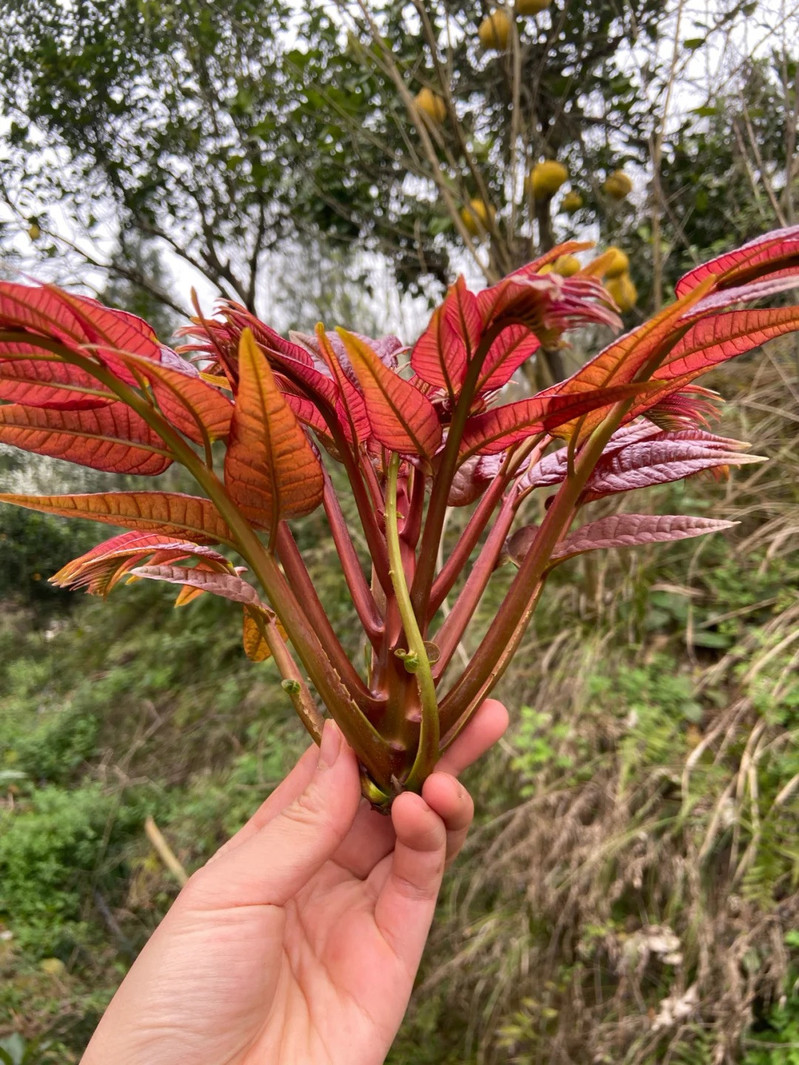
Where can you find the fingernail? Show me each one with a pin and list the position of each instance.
(330, 746)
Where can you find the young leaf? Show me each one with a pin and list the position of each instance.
(641, 454)
(712, 340)
(225, 585)
(659, 461)
(47, 382)
(401, 418)
(630, 530)
(76, 321)
(170, 513)
(442, 353)
(546, 304)
(498, 429)
(111, 438)
(255, 646)
(104, 565)
(764, 255)
(349, 404)
(192, 406)
(622, 360)
(271, 469)
(513, 347)
(255, 619)
(109, 329)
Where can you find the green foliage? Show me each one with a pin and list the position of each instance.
(32, 547)
(775, 1040)
(51, 847)
(14, 1050)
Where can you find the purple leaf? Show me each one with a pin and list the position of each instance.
(226, 585)
(630, 530)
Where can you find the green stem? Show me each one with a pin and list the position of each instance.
(297, 689)
(427, 749)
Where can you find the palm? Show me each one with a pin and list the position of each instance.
(299, 941)
(330, 958)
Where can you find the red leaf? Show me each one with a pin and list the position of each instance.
(514, 345)
(402, 419)
(634, 438)
(630, 530)
(47, 382)
(442, 353)
(547, 305)
(170, 513)
(110, 438)
(350, 404)
(111, 329)
(498, 429)
(626, 357)
(185, 400)
(100, 569)
(271, 469)
(74, 320)
(710, 341)
(768, 254)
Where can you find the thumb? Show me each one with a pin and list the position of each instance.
(275, 863)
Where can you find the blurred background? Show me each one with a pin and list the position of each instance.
(630, 894)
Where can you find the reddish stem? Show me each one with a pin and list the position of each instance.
(298, 577)
(449, 635)
(442, 480)
(361, 593)
(413, 523)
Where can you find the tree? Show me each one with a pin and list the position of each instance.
(224, 132)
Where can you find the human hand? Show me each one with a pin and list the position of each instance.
(299, 941)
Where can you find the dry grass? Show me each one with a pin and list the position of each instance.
(633, 909)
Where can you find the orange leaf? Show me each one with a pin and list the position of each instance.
(271, 469)
(110, 438)
(185, 400)
(402, 419)
(171, 513)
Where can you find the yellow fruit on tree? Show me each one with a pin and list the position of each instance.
(34, 231)
(531, 7)
(618, 185)
(546, 178)
(623, 291)
(476, 217)
(494, 30)
(571, 202)
(618, 265)
(566, 265)
(432, 105)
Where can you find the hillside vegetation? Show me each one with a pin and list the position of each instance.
(630, 894)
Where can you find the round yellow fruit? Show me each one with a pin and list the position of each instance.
(623, 292)
(432, 105)
(546, 178)
(566, 265)
(531, 7)
(571, 202)
(618, 265)
(34, 231)
(476, 217)
(494, 30)
(618, 185)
